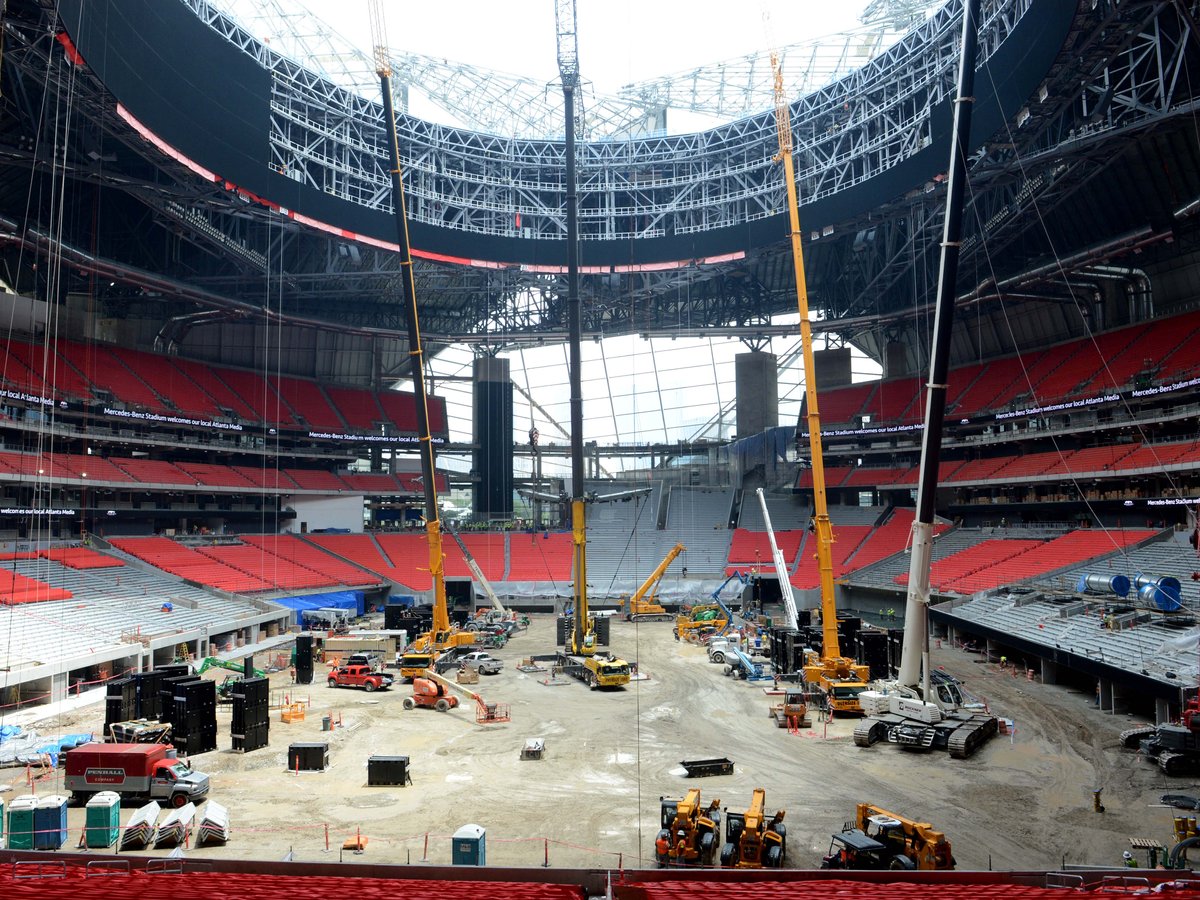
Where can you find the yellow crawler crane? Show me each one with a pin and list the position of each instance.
(644, 605)
(752, 841)
(441, 636)
(841, 678)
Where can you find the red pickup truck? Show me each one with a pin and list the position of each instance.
(360, 676)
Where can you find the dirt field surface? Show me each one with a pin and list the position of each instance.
(1022, 802)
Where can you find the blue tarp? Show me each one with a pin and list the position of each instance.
(352, 600)
(8, 731)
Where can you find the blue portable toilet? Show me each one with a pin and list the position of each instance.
(50, 822)
(20, 822)
(469, 847)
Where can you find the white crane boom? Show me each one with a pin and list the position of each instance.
(785, 585)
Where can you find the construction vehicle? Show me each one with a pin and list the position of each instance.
(498, 614)
(442, 634)
(1173, 747)
(919, 710)
(212, 662)
(752, 841)
(133, 770)
(695, 622)
(740, 665)
(690, 832)
(937, 718)
(643, 606)
(359, 676)
(578, 656)
(432, 691)
(793, 711)
(831, 669)
(878, 839)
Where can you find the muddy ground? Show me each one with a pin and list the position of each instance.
(1023, 802)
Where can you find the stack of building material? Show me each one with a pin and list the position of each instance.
(214, 825)
(142, 828)
(176, 826)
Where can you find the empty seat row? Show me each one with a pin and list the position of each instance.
(168, 385)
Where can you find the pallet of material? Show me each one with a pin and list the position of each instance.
(142, 828)
(175, 827)
(214, 825)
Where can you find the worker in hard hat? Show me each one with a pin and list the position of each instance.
(663, 845)
(1130, 862)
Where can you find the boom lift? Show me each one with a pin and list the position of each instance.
(752, 841)
(713, 618)
(441, 635)
(916, 710)
(689, 833)
(432, 691)
(640, 608)
(579, 657)
(842, 678)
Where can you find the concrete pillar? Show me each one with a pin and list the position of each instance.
(1049, 671)
(832, 367)
(757, 379)
(493, 435)
(59, 687)
(1106, 695)
(896, 361)
(1162, 711)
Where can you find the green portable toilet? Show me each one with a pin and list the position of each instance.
(1, 822)
(20, 822)
(469, 846)
(102, 825)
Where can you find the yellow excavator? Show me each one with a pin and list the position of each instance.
(690, 831)
(842, 679)
(643, 606)
(752, 840)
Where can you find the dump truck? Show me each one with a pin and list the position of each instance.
(133, 770)
(690, 832)
(878, 839)
(752, 840)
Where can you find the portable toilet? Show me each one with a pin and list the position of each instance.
(1, 822)
(20, 822)
(50, 822)
(102, 825)
(469, 847)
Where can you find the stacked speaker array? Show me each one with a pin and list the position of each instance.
(120, 703)
(877, 649)
(304, 659)
(251, 720)
(193, 713)
(787, 650)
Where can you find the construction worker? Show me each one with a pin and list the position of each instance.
(662, 846)
(1130, 862)
(681, 845)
